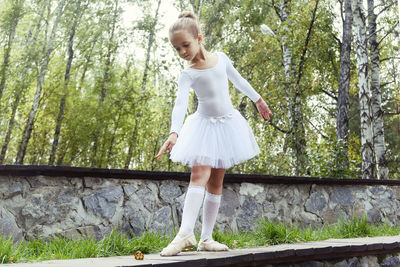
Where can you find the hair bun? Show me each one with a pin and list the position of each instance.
(187, 14)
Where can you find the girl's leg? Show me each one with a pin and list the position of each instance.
(194, 198)
(212, 202)
(193, 201)
(214, 184)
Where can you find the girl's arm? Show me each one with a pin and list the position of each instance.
(244, 86)
(178, 113)
(181, 103)
(238, 81)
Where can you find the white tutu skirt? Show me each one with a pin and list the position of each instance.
(219, 142)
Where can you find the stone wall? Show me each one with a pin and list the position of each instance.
(43, 206)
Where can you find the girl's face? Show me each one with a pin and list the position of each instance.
(185, 44)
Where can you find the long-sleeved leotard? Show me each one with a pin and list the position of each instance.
(212, 91)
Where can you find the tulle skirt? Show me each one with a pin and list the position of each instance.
(220, 142)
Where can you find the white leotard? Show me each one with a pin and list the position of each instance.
(212, 91)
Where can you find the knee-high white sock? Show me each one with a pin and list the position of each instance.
(193, 200)
(210, 211)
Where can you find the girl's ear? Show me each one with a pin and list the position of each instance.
(200, 38)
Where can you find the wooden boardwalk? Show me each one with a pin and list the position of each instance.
(287, 253)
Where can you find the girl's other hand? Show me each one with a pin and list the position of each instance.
(263, 109)
(171, 141)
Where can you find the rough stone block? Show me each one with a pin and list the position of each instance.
(250, 213)
(391, 262)
(169, 191)
(8, 225)
(342, 196)
(316, 203)
(162, 221)
(104, 202)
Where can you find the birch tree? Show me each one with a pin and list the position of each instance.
(22, 82)
(77, 16)
(151, 29)
(377, 112)
(40, 79)
(111, 49)
(294, 101)
(364, 92)
(150, 43)
(11, 21)
(342, 121)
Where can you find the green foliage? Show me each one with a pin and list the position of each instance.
(131, 125)
(276, 233)
(358, 227)
(6, 249)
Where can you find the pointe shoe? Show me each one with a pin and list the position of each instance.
(211, 245)
(176, 246)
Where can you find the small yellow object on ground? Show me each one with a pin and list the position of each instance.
(139, 255)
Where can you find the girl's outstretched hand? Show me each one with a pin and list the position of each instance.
(263, 109)
(171, 141)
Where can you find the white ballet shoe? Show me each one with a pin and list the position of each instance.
(176, 246)
(211, 245)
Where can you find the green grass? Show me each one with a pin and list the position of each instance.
(117, 243)
(274, 233)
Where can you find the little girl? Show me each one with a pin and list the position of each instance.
(212, 139)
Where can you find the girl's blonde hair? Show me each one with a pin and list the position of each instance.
(186, 21)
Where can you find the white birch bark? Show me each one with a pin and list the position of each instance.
(296, 138)
(398, 39)
(342, 119)
(287, 63)
(36, 101)
(360, 34)
(377, 113)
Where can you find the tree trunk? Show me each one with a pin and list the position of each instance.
(43, 69)
(377, 113)
(10, 127)
(289, 75)
(61, 110)
(16, 12)
(39, 24)
(296, 138)
(150, 42)
(398, 11)
(131, 142)
(196, 5)
(368, 164)
(342, 120)
(110, 52)
(23, 81)
(110, 148)
(88, 59)
(153, 158)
